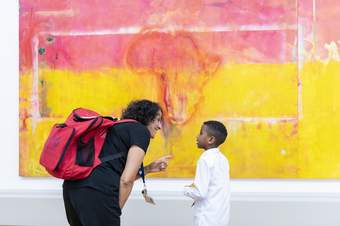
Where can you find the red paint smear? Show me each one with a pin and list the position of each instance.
(24, 116)
(168, 56)
(160, 52)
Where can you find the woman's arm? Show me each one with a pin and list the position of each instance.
(134, 160)
(156, 166)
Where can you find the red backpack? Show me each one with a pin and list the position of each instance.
(72, 149)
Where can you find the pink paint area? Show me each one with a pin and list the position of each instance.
(318, 22)
(243, 12)
(327, 19)
(87, 14)
(81, 53)
(250, 46)
(305, 23)
(93, 52)
(120, 13)
(42, 5)
(74, 16)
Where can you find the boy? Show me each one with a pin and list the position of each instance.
(211, 187)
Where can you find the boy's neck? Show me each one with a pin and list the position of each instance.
(210, 147)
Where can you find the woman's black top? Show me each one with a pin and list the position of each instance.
(119, 138)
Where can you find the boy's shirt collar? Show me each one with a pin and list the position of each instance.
(211, 150)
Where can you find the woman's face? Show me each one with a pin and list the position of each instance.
(155, 124)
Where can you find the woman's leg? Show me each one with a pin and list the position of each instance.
(71, 214)
(95, 208)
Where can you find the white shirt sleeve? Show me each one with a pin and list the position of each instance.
(200, 186)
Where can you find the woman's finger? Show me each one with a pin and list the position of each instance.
(166, 158)
(163, 166)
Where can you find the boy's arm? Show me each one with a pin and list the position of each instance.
(199, 189)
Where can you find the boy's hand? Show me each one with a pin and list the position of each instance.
(158, 165)
(191, 185)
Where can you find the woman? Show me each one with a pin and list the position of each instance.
(98, 199)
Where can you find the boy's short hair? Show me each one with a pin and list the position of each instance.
(218, 130)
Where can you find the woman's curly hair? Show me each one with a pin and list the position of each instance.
(143, 111)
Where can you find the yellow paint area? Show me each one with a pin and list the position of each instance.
(253, 101)
(252, 90)
(31, 144)
(319, 131)
(105, 91)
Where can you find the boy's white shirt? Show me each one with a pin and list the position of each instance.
(211, 189)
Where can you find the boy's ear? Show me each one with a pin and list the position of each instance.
(211, 140)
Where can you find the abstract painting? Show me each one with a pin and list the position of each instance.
(269, 70)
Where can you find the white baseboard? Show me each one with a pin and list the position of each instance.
(45, 208)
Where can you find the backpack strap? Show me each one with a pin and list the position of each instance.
(117, 121)
(121, 154)
(112, 157)
(141, 172)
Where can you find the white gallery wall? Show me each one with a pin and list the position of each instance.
(37, 201)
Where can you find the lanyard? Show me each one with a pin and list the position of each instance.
(147, 198)
(142, 173)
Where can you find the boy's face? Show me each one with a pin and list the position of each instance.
(203, 139)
